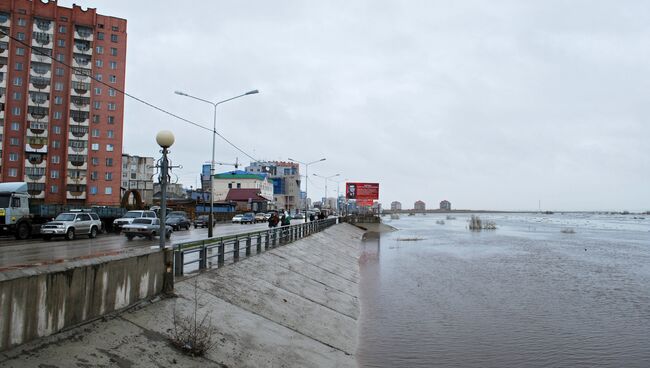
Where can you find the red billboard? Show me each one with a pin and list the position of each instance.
(362, 191)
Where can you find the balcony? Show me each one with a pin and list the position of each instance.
(39, 84)
(83, 47)
(39, 99)
(77, 147)
(41, 55)
(77, 151)
(77, 162)
(81, 61)
(36, 163)
(83, 33)
(5, 19)
(43, 25)
(34, 174)
(37, 127)
(42, 39)
(4, 48)
(38, 112)
(3, 93)
(81, 75)
(76, 177)
(78, 132)
(81, 88)
(79, 117)
(4, 32)
(36, 145)
(75, 195)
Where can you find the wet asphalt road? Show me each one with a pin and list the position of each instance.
(27, 253)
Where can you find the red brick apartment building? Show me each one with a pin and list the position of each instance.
(60, 130)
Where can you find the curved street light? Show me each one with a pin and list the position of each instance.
(214, 133)
(326, 179)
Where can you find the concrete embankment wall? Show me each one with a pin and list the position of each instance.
(292, 306)
(41, 301)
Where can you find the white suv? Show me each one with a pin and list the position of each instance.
(71, 224)
(130, 216)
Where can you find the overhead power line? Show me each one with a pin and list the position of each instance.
(132, 96)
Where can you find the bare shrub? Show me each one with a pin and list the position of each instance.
(568, 230)
(476, 224)
(193, 335)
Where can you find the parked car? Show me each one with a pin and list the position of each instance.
(260, 217)
(178, 220)
(248, 218)
(71, 224)
(237, 219)
(146, 228)
(299, 216)
(268, 215)
(130, 216)
(203, 220)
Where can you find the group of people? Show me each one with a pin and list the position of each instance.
(283, 219)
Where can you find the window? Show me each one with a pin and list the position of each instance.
(56, 129)
(109, 134)
(133, 176)
(95, 118)
(100, 25)
(111, 92)
(113, 64)
(60, 57)
(13, 172)
(94, 161)
(13, 156)
(113, 38)
(15, 111)
(94, 146)
(100, 49)
(100, 35)
(58, 100)
(54, 189)
(62, 29)
(99, 63)
(112, 106)
(56, 144)
(61, 43)
(109, 147)
(56, 159)
(93, 190)
(22, 22)
(114, 28)
(113, 79)
(59, 72)
(58, 86)
(54, 174)
(111, 119)
(18, 81)
(98, 76)
(19, 66)
(98, 91)
(57, 116)
(109, 161)
(95, 133)
(108, 190)
(13, 141)
(113, 51)
(97, 105)
(17, 96)
(93, 175)
(20, 36)
(15, 126)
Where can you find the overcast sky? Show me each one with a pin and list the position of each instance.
(489, 104)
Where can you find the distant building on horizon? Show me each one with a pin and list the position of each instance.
(419, 206)
(395, 206)
(445, 205)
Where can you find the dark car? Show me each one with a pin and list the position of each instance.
(248, 218)
(146, 228)
(178, 220)
(203, 220)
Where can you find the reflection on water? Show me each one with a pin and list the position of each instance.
(525, 295)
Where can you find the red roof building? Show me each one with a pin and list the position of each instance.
(247, 199)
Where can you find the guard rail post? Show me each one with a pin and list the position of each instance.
(235, 247)
(248, 245)
(220, 256)
(178, 261)
(259, 243)
(203, 256)
(267, 239)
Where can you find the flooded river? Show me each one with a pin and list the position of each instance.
(524, 295)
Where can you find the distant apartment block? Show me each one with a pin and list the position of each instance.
(395, 206)
(286, 182)
(419, 206)
(445, 205)
(137, 176)
(60, 130)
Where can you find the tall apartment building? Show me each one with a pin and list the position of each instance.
(396, 206)
(419, 206)
(60, 130)
(137, 175)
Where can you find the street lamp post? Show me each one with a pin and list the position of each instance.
(338, 195)
(214, 134)
(326, 179)
(306, 180)
(165, 139)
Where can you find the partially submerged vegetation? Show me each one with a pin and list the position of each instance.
(414, 238)
(476, 224)
(568, 230)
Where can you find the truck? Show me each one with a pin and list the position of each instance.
(22, 220)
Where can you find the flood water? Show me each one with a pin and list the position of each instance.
(524, 295)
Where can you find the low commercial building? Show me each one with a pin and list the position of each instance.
(248, 200)
(239, 179)
(137, 176)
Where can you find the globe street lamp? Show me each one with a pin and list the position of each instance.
(326, 179)
(214, 134)
(165, 139)
(306, 179)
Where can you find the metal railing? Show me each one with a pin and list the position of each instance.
(203, 254)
